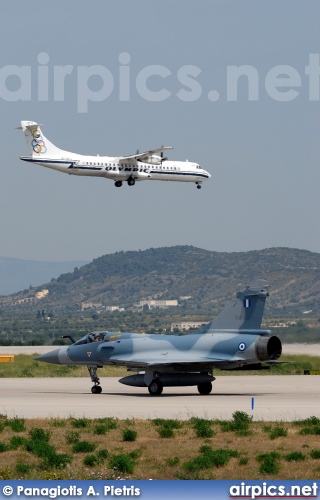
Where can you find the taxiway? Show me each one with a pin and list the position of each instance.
(286, 397)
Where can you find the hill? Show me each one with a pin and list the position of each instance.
(210, 278)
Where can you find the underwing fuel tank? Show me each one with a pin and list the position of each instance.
(170, 379)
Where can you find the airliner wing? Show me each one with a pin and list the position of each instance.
(141, 156)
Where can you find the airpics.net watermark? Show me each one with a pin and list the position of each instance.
(96, 83)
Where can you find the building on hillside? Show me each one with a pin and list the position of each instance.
(114, 308)
(187, 325)
(162, 304)
(90, 305)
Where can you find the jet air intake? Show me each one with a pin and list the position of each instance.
(268, 348)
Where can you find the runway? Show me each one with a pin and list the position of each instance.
(284, 398)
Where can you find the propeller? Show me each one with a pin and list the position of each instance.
(162, 157)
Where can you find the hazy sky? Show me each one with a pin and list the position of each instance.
(258, 135)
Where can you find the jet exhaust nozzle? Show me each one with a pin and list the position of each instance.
(268, 348)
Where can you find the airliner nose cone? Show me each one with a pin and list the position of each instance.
(50, 357)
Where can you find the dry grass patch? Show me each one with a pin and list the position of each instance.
(225, 453)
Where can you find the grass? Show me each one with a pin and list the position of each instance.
(46, 451)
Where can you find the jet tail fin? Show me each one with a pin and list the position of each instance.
(245, 312)
(38, 144)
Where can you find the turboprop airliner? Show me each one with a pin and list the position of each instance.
(150, 165)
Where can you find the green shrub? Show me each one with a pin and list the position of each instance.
(3, 447)
(315, 453)
(17, 424)
(122, 463)
(38, 434)
(72, 437)
(96, 458)
(210, 458)
(100, 429)
(240, 423)
(202, 427)
(308, 422)
(80, 423)
(165, 432)
(83, 447)
(169, 423)
(40, 448)
(16, 442)
(314, 429)
(295, 456)
(102, 454)
(22, 468)
(129, 435)
(110, 422)
(243, 460)
(90, 460)
(269, 463)
(1, 426)
(278, 431)
(55, 460)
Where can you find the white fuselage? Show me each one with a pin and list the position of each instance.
(121, 170)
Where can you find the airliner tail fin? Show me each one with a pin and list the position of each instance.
(38, 144)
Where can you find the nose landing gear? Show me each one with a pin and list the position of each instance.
(96, 389)
(198, 185)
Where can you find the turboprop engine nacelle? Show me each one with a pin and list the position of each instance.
(153, 159)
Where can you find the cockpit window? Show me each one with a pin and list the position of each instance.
(83, 340)
(91, 337)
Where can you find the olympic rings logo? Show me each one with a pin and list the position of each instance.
(37, 143)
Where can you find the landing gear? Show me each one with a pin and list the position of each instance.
(198, 185)
(96, 389)
(205, 388)
(131, 181)
(155, 388)
(118, 184)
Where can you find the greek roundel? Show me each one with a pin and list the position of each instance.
(242, 346)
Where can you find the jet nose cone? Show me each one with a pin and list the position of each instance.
(50, 357)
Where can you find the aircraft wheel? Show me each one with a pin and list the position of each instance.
(96, 389)
(118, 184)
(131, 182)
(155, 388)
(205, 388)
(198, 186)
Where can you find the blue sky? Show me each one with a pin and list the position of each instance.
(262, 150)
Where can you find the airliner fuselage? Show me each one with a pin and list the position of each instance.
(138, 167)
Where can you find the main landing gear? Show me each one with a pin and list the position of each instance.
(155, 388)
(131, 182)
(96, 389)
(198, 185)
(205, 388)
